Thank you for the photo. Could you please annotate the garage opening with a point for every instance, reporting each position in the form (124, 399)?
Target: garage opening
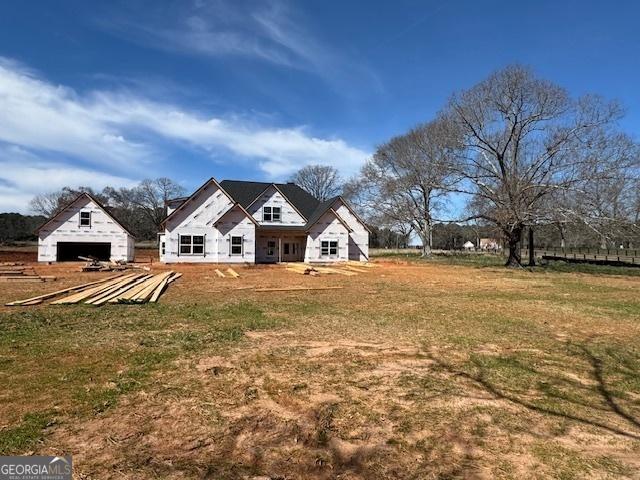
(70, 251)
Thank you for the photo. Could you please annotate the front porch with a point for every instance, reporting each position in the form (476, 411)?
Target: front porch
(276, 246)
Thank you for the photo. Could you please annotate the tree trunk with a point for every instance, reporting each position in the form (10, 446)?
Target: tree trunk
(514, 236)
(425, 236)
(532, 251)
(603, 242)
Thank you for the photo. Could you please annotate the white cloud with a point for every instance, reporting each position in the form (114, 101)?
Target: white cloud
(39, 115)
(269, 31)
(24, 175)
(118, 133)
(278, 151)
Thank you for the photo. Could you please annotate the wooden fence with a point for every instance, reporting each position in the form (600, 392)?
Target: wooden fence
(598, 255)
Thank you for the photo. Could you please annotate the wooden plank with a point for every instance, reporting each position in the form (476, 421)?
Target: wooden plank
(220, 274)
(175, 277)
(233, 273)
(361, 264)
(126, 296)
(294, 289)
(20, 279)
(90, 292)
(335, 270)
(355, 269)
(144, 295)
(129, 298)
(162, 286)
(40, 298)
(111, 289)
(105, 297)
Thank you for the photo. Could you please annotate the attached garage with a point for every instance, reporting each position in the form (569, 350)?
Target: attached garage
(84, 228)
(70, 251)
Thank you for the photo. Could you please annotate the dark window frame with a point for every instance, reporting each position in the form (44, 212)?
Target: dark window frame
(271, 214)
(233, 245)
(329, 248)
(88, 219)
(191, 246)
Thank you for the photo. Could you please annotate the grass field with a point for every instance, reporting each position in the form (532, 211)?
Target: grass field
(415, 369)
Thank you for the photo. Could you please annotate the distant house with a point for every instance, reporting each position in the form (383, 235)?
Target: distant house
(490, 244)
(257, 222)
(468, 245)
(84, 228)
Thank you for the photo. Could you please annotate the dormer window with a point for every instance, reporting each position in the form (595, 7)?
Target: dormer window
(85, 219)
(271, 214)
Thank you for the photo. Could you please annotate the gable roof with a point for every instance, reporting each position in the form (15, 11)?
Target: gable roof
(327, 205)
(246, 193)
(194, 195)
(94, 200)
(320, 210)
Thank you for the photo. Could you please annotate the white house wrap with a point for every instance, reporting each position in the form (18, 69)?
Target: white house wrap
(256, 222)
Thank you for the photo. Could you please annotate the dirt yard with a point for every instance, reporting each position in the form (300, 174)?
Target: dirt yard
(410, 371)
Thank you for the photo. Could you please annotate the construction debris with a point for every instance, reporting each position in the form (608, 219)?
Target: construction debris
(220, 274)
(131, 288)
(95, 265)
(18, 273)
(302, 269)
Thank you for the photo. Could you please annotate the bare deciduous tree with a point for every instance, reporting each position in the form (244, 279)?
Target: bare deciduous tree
(150, 196)
(48, 204)
(321, 181)
(408, 179)
(524, 140)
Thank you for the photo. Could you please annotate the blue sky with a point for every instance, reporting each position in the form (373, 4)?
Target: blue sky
(97, 93)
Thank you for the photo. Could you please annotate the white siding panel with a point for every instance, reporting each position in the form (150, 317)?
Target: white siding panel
(66, 228)
(236, 223)
(327, 228)
(202, 211)
(358, 237)
(273, 198)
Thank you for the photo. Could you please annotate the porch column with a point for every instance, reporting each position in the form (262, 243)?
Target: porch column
(279, 249)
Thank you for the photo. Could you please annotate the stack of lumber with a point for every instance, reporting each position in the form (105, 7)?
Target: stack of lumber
(130, 288)
(20, 273)
(95, 265)
(348, 269)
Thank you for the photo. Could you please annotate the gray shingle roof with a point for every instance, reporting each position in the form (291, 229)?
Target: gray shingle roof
(245, 193)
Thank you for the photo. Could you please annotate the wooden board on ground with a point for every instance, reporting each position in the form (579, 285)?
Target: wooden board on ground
(233, 273)
(40, 298)
(220, 274)
(27, 278)
(294, 289)
(355, 269)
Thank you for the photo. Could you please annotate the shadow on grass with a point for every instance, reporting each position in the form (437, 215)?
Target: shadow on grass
(584, 404)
